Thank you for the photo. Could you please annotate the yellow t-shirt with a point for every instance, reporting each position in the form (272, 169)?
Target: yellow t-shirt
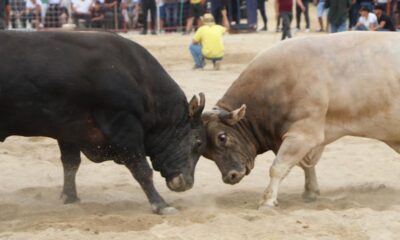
(210, 38)
(195, 1)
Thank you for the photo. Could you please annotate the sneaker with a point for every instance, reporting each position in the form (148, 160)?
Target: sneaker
(297, 29)
(197, 67)
(153, 33)
(264, 28)
(321, 30)
(217, 65)
(307, 30)
(143, 33)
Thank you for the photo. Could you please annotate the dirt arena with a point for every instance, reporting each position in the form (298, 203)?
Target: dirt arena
(359, 180)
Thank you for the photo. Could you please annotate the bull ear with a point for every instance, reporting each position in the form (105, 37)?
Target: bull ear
(233, 117)
(196, 107)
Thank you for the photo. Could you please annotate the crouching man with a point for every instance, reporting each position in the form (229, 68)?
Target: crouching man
(207, 42)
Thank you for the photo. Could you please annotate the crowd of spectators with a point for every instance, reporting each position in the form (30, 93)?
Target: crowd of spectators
(184, 15)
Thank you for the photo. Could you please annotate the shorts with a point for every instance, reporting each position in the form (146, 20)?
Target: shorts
(320, 9)
(196, 10)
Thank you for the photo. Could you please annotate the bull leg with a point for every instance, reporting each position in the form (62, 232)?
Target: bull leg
(311, 189)
(295, 147)
(71, 159)
(142, 172)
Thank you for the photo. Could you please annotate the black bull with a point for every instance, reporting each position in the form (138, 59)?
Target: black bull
(104, 96)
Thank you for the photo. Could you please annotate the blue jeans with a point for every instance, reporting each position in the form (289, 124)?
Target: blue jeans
(368, 5)
(171, 14)
(339, 28)
(195, 50)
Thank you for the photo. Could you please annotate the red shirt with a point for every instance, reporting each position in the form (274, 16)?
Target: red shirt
(285, 5)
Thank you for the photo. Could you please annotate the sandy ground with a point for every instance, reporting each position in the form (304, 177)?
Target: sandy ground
(360, 194)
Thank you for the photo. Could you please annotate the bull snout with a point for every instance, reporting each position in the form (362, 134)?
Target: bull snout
(180, 183)
(233, 177)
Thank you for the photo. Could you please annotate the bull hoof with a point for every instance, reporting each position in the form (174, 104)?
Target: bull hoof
(167, 211)
(69, 199)
(268, 209)
(310, 196)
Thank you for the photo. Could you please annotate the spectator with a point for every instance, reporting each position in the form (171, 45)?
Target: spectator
(149, 5)
(354, 13)
(33, 12)
(320, 13)
(133, 8)
(285, 8)
(303, 8)
(56, 15)
(261, 8)
(81, 10)
(196, 9)
(171, 13)
(17, 13)
(338, 14)
(97, 16)
(207, 42)
(4, 13)
(366, 21)
(113, 18)
(382, 4)
(384, 21)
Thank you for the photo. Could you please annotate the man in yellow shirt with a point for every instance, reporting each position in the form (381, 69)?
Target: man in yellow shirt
(207, 42)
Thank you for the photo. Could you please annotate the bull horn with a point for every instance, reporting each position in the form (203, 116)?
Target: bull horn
(196, 107)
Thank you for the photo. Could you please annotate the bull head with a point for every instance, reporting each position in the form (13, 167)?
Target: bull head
(228, 143)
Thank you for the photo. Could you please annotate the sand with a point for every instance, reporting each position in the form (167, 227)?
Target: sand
(359, 180)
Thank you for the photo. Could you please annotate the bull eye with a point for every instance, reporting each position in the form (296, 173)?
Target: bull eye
(222, 138)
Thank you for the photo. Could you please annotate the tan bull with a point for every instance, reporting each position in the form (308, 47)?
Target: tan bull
(302, 94)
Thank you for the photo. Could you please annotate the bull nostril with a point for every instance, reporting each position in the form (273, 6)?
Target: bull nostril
(233, 176)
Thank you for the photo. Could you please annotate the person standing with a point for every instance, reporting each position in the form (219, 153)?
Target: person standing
(285, 9)
(4, 13)
(320, 13)
(149, 5)
(303, 8)
(171, 13)
(261, 8)
(196, 10)
(338, 14)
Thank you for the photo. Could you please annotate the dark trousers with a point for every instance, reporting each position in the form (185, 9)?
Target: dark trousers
(261, 8)
(286, 21)
(146, 6)
(306, 15)
(77, 16)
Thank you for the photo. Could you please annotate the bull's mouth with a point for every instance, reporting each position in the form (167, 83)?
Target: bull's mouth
(180, 183)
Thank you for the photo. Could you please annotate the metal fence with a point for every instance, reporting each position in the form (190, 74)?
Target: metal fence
(111, 15)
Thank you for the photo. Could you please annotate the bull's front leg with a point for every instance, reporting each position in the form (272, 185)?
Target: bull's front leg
(294, 148)
(142, 172)
(71, 159)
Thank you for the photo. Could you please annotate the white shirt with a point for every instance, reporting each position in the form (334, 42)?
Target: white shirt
(382, 1)
(372, 20)
(30, 5)
(82, 6)
(54, 1)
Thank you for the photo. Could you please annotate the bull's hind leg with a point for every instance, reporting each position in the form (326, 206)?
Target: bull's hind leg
(311, 189)
(142, 172)
(71, 159)
(305, 136)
